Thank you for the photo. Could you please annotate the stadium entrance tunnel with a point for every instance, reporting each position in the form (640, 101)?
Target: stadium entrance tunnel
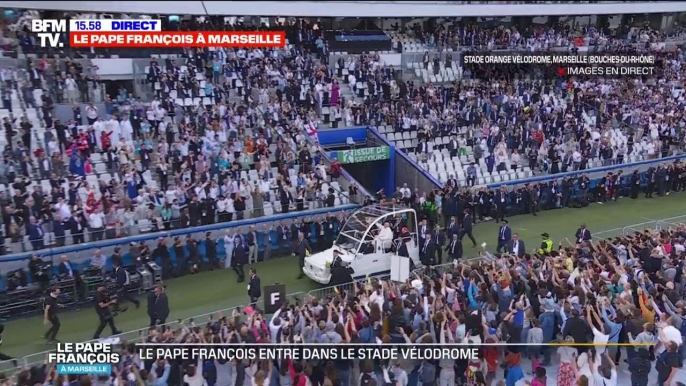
(373, 175)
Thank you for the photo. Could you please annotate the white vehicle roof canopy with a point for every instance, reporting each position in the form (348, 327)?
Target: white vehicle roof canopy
(359, 226)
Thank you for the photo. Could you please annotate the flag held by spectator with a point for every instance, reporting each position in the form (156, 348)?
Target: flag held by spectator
(311, 129)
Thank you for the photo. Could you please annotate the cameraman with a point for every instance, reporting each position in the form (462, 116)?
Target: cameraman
(102, 307)
(123, 280)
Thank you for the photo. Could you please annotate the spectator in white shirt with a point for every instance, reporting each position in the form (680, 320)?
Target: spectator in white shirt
(96, 221)
(71, 89)
(91, 114)
(99, 262)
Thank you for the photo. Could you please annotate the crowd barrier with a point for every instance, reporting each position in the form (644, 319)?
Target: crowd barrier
(671, 222)
(626, 167)
(140, 334)
(80, 254)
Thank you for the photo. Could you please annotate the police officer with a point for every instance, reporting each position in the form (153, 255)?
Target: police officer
(546, 245)
(123, 281)
(102, 307)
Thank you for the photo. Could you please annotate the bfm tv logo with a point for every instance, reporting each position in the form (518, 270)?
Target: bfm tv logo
(49, 31)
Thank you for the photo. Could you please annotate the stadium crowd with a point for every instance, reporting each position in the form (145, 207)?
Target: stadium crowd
(561, 34)
(545, 127)
(617, 290)
(175, 165)
(251, 151)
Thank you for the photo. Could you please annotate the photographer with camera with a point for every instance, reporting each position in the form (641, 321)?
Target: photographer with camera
(123, 280)
(102, 306)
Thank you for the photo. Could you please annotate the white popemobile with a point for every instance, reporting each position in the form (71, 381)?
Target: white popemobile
(365, 243)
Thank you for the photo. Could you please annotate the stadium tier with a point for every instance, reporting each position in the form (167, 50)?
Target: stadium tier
(368, 184)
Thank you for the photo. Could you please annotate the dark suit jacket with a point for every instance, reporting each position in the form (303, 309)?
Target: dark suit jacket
(62, 269)
(158, 308)
(427, 250)
(402, 250)
(452, 229)
(255, 290)
(302, 247)
(251, 238)
(35, 232)
(467, 223)
(120, 276)
(454, 251)
(239, 256)
(441, 239)
(421, 234)
(507, 236)
(586, 236)
(294, 232)
(280, 232)
(210, 249)
(521, 250)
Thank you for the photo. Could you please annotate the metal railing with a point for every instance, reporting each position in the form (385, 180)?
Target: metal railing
(616, 232)
(141, 334)
(671, 222)
(343, 288)
(640, 227)
(146, 222)
(84, 251)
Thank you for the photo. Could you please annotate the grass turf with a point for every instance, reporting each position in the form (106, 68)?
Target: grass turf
(210, 291)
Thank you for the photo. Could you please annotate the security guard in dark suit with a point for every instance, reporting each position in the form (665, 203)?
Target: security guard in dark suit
(454, 248)
(402, 251)
(254, 288)
(238, 260)
(211, 250)
(158, 306)
(302, 248)
(122, 277)
(439, 241)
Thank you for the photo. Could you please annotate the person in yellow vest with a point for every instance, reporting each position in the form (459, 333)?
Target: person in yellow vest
(546, 245)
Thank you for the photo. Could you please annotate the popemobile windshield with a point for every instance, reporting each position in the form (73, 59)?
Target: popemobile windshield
(363, 248)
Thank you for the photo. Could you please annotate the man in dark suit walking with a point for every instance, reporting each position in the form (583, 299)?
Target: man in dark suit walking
(239, 259)
(453, 228)
(211, 251)
(302, 249)
(439, 242)
(516, 246)
(454, 248)
(426, 252)
(158, 306)
(123, 281)
(254, 288)
(504, 236)
(467, 227)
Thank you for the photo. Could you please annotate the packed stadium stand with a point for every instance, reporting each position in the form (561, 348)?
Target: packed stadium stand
(228, 139)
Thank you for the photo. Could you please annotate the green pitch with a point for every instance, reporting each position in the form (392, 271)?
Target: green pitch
(210, 291)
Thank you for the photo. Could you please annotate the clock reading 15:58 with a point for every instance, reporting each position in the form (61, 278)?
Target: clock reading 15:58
(90, 25)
